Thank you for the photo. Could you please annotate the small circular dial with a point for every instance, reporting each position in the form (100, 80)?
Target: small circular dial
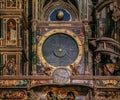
(61, 75)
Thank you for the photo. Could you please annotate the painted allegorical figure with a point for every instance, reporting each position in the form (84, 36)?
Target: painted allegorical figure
(11, 67)
(11, 32)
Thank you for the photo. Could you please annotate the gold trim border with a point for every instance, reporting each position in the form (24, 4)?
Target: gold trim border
(57, 31)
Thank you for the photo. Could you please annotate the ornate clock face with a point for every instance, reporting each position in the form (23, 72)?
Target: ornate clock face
(60, 47)
(61, 75)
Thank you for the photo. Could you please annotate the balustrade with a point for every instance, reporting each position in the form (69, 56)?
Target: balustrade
(108, 44)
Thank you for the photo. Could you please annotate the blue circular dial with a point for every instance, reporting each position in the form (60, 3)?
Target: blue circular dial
(60, 14)
(60, 50)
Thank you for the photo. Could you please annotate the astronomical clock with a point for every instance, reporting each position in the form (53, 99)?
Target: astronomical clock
(64, 49)
(59, 42)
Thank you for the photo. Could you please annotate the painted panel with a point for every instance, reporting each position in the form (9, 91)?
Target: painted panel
(11, 32)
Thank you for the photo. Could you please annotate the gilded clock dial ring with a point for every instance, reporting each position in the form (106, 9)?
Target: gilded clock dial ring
(60, 47)
(64, 51)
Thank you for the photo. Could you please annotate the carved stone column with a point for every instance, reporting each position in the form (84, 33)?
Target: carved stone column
(86, 49)
(96, 64)
(116, 17)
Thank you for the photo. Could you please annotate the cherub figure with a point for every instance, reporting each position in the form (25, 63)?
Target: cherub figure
(75, 69)
(46, 69)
